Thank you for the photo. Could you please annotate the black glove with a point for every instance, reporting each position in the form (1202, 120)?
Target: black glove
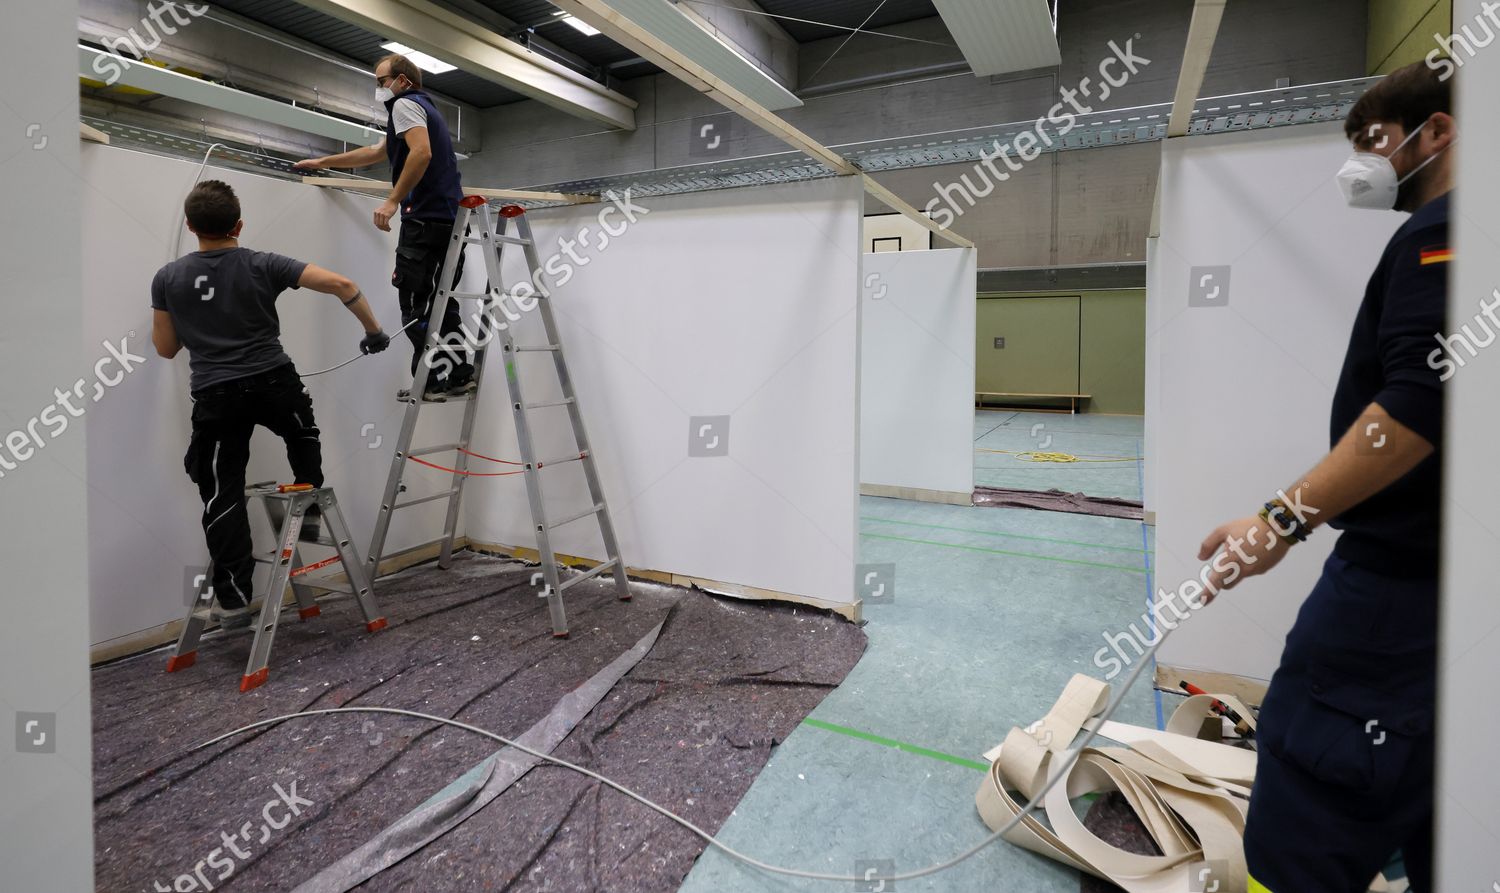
(374, 342)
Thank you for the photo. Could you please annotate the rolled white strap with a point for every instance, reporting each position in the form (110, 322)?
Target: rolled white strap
(1191, 795)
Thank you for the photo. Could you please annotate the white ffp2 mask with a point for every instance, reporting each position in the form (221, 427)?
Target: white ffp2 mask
(1369, 180)
(384, 95)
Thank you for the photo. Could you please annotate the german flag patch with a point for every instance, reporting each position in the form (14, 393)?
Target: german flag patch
(1437, 255)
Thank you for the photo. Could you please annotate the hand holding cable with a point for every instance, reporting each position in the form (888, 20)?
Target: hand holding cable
(374, 342)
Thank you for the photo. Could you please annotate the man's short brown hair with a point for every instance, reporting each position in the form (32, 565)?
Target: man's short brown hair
(402, 66)
(212, 209)
(1407, 96)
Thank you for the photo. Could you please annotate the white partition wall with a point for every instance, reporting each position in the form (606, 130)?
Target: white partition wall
(1257, 275)
(917, 375)
(143, 532)
(713, 345)
(739, 304)
(1468, 788)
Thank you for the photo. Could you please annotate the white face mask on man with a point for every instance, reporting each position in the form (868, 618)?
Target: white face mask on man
(1369, 180)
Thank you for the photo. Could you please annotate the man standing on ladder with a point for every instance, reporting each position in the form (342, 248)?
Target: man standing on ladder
(220, 303)
(426, 188)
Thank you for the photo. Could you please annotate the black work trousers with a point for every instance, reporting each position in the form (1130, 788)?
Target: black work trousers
(224, 417)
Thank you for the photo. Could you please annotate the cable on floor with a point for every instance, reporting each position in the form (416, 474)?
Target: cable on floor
(1070, 757)
(1061, 458)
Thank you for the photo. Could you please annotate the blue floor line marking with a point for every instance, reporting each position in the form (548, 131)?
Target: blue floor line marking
(1150, 578)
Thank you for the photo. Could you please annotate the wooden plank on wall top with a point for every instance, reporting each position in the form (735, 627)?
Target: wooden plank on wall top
(897, 203)
(1204, 30)
(376, 187)
(621, 29)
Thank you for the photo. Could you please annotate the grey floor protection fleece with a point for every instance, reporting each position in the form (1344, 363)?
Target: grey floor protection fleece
(690, 726)
(1058, 501)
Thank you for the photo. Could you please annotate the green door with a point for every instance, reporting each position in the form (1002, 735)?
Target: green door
(1028, 345)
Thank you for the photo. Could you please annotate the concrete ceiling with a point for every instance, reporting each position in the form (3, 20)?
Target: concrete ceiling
(537, 16)
(539, 19)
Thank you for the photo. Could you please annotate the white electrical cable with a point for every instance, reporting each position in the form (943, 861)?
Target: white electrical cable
(177, 250)
(1070, 758)
(361, 356)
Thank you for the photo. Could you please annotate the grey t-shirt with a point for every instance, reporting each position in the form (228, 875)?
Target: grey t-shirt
(406, 114)
(223, 306)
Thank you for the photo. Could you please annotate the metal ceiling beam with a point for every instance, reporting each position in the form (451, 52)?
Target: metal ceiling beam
(650, 45)
(100, 65)
(483, 15)
(707, 63)
(1280, 107)
(672, 59)
(478, 50)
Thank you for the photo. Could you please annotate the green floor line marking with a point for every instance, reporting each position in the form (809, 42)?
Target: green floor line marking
(1019, 536)
(1113, 567)
(898, 745)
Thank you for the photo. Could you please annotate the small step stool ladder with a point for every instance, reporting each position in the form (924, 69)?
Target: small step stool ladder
(475, 212)
(286, 506)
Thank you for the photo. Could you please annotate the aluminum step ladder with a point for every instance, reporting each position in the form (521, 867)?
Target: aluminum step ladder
(478, 224)
(286, 507)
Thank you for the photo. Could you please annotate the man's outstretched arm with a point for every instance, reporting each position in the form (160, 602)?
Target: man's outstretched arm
(365, 156)
(341, 286)
(1351, 473)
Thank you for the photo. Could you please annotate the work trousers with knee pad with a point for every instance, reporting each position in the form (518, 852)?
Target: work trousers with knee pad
(420, 250)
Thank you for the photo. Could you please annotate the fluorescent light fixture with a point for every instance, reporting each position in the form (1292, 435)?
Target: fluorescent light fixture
(420, 59)
(587, 29)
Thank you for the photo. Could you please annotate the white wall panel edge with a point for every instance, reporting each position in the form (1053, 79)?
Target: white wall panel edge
(1468, 790)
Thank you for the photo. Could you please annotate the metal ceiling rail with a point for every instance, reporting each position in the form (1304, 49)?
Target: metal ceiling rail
(1285, 106)
(1279, 107)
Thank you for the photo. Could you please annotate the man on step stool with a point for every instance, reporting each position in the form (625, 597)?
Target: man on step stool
(220, 303)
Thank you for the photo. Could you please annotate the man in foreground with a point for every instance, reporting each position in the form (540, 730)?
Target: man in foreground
(1344, 776)
(220, 303)
(426, 188)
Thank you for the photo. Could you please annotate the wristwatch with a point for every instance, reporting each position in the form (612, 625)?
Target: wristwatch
(1285, 522)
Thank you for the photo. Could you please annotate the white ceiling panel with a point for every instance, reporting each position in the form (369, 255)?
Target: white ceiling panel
(1002, 36)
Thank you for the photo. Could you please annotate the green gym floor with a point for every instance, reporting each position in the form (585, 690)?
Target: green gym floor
(1108, 448)
(993, 611)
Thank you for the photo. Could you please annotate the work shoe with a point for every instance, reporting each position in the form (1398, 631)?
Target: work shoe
(437, 392)
(232, 618)
(461, 382)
